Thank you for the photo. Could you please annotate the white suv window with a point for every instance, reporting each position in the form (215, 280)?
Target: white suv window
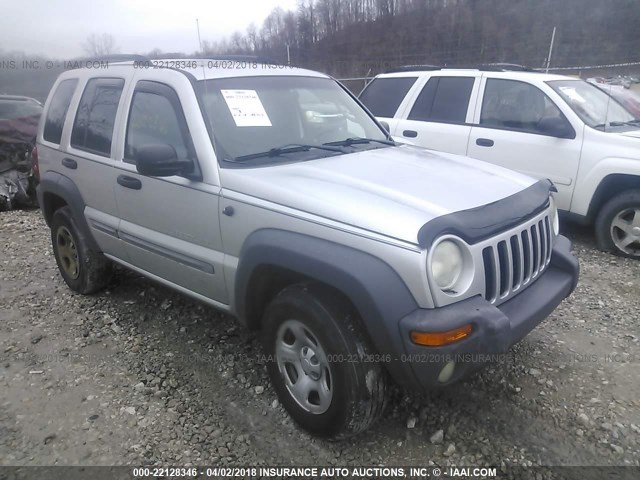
(443, 99)
(516, 105)
(596, 108)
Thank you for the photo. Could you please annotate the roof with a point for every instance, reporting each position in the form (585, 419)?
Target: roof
(220, 67)
(512, 74)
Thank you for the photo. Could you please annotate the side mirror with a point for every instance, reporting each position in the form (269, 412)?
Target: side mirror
(385, 125)
(556, 127)
(160, 160)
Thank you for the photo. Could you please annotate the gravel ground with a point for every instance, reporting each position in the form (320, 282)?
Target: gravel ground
(139, 374)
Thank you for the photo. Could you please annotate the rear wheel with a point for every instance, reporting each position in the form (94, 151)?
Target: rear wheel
(319, 362)
(82, 269)
(618, 225)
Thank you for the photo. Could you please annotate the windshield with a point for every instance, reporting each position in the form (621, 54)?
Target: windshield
(627, 97)
(592, 105)
(255, 117)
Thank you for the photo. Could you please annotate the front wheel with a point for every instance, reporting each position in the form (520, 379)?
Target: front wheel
(618, 225)
(318, 362)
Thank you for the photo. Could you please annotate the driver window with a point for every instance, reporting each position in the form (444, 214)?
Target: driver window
(152, 119)
(516, 106)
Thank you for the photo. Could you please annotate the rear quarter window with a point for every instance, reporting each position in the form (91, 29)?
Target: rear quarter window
(383, 96)
(57, 112)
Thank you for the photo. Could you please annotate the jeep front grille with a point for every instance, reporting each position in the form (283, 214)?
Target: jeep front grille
(515, 259)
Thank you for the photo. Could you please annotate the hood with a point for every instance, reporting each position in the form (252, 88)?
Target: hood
(391, 191)
(631, 133)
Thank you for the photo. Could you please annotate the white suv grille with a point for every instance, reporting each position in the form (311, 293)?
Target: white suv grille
(515, 259)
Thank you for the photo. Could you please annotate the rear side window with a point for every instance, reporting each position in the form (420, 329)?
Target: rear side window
(443, 99)
(153, 120)
(58, 110)
(93, 126)
(383, 96)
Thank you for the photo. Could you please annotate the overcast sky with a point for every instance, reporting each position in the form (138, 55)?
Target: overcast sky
(59, 29)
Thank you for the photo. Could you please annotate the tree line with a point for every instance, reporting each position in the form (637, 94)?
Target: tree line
(356, 37)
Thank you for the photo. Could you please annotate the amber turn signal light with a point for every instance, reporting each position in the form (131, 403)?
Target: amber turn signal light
(438, 339)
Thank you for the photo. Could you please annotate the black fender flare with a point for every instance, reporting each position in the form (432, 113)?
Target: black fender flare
(374, 287)
(65, 188)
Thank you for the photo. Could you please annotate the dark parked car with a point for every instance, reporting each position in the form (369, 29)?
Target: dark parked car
(19, 117)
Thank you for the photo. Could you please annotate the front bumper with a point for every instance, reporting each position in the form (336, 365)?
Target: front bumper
(495, 329)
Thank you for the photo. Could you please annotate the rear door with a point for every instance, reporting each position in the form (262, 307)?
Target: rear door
(84, 153)
(440, 113)
(169, 225)
(509, 133)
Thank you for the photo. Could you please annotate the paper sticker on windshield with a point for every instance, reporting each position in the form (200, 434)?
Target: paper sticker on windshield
(246, 108)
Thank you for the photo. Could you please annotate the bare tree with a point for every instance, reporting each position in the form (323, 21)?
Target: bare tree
(100, 45)
(252, 37)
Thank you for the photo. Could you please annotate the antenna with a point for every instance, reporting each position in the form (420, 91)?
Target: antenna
(204, 76)
(199, 39)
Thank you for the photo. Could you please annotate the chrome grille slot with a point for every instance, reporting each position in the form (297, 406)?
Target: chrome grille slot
(489, 274)
(535, 243)
(514, 259)
(505, 268)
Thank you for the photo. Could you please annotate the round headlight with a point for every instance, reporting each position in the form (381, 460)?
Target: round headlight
(553, 214)
(446, 264)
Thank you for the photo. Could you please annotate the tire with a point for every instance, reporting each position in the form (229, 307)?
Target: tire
(347, 393)
(618, 223)
(82, 269)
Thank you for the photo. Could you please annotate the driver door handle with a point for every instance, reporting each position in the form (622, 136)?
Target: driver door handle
(129, 182)
(484, 142)
(70, 163)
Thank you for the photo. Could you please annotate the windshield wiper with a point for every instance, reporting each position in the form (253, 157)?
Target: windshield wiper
(289, 148)
(634, 123)
(347, 142)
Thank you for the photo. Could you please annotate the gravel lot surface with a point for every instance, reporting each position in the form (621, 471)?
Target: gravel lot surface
(139, 374)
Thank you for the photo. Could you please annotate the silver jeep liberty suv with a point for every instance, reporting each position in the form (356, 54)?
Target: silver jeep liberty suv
(272, 194)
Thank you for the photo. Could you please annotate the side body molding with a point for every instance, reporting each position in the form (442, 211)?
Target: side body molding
(374, 288)
(63, 187)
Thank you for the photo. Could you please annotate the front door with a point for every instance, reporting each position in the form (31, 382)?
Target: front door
(510, 132)
(169, 225)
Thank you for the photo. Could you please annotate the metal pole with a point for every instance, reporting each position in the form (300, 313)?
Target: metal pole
(199, 39)
(288, 56)
(553, 37)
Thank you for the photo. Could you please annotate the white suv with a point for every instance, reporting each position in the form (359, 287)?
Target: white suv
(547, 126)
